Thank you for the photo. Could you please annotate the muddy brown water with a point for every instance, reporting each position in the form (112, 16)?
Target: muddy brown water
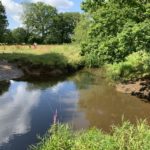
(83, 100)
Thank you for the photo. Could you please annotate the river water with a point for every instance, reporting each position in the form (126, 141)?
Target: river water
(84, 100)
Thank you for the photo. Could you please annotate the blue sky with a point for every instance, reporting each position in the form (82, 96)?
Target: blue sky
(14, 8)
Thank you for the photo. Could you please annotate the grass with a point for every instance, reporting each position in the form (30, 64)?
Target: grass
(124, 137)
(54, 55)
(136, 65)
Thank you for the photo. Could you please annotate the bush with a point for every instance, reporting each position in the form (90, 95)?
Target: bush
(118, 28)
(136, 65)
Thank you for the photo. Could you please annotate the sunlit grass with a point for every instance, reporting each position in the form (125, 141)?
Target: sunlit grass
(70, 51)
(136, 65)
(124, 137)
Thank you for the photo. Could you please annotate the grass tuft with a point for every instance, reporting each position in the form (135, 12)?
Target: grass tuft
(124, 137)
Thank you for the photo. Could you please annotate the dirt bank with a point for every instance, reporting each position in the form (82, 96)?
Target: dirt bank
(38, 70)
(139, 88)
(9, 71)
(14, 70)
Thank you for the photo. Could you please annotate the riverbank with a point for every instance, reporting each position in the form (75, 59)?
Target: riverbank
(124, 137)
(52, 60)
(133, 74)
(139, 88)
(9, 71)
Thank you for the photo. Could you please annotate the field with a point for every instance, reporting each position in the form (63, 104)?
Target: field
(42, 54)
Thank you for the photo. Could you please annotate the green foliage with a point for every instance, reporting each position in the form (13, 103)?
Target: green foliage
(53, 56)
(7, 37)
(91, 5)
(136, 65)
(93, 139)
(58, 138)
(64, 24)
(45, 25)
(3, 21)
(42, 25)
(19, 35)
(129, 137)
(53, 60)
(39, 18)
(81, 29)
(70, 21)
(124, 137)
(118, 29)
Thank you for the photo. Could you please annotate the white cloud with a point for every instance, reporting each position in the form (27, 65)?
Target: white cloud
(15, 113)
(60, 4)
(14, 9)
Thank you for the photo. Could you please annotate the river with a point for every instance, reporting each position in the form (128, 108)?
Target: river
(83, 100)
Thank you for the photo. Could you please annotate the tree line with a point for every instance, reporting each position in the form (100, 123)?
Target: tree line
(116, 29)
(42, 24)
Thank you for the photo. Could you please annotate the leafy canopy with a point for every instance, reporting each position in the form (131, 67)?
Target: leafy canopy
(118, 28)
(39, 18)
(20, 35)
(45, 25)
(81, 29)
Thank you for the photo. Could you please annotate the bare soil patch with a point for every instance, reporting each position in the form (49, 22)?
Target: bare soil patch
(139, 88)
(9, 71)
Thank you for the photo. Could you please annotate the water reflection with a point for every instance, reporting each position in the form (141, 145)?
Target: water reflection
(27, 109)
(83, 100)
(4, 85)
(15, 108)
(104, 106)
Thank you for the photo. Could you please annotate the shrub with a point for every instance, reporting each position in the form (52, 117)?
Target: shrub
(118, 28)
(136, 65)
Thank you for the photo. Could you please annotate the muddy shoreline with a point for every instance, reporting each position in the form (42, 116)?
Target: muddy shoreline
(15, 70)
(139, 88)
(8, 71)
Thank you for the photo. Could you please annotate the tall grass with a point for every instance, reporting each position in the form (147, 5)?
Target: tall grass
(124, 137)
(136, 65)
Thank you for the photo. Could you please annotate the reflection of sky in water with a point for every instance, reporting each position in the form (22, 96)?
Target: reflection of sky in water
(27, 109)
(15, 107)
(17, 104)
(62, 97)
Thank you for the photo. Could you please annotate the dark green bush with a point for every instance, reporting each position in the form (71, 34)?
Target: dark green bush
(118, 29)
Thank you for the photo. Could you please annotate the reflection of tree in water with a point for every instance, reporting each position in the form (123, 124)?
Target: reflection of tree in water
(103, 106)
(42, 82)
(83, 79)
(4, 85)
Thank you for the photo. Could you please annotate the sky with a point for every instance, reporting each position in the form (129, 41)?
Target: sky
(14, 8)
